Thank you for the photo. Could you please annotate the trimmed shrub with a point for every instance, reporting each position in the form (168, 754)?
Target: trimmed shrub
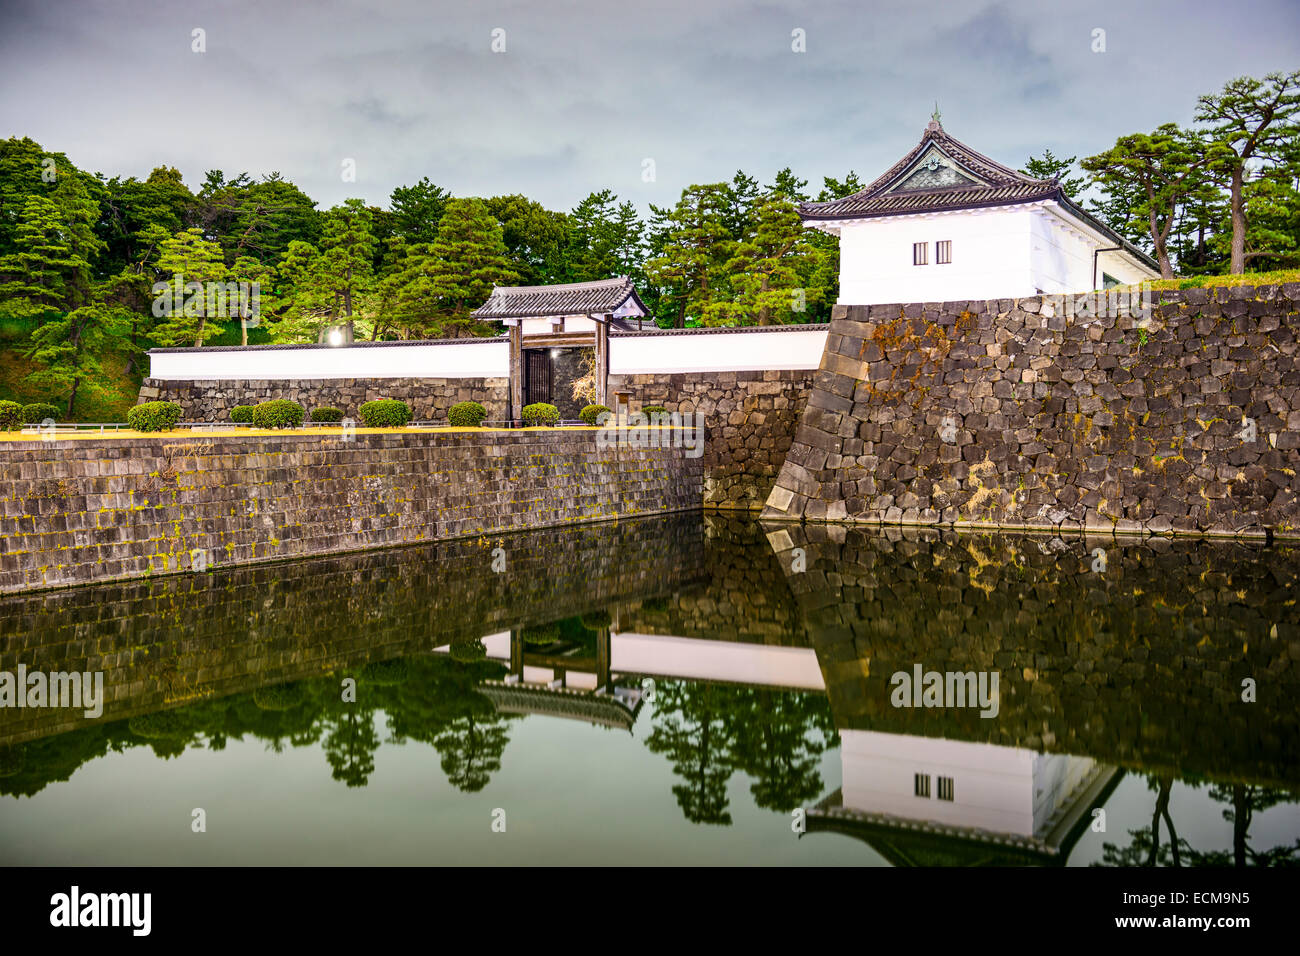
(277, 413)
(649, 410)
(327, 414)
(242, 414)
(542, 634)
(37, 412)
(468, 652)
(385, 413)
(466, 415)
(591, 413)
(540, 413)
(386, 673)
(154, 416)
(280, 696)
(11, 416)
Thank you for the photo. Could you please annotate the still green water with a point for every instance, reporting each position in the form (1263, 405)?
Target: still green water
(682, 690)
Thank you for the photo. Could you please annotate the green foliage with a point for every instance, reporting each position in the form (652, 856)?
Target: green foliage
(385, 413)
(542, 634)
(386, 673)
(67, 350)
(417, 210)
(278, 413)
(1049, 166)
(11, 416)
(242, 414)
(1153, 172)
(591, 413)
(434, 286)
(466, 415)
(541, 413)
(467, 652)
(327, 414)
(154, 416)
(37, 412)
(649, 410)
(281, 696)
(197, 262)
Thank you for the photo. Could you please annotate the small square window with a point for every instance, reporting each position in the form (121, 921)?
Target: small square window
(943, 252)
(945, 788)
(920, 253)
(922, 784)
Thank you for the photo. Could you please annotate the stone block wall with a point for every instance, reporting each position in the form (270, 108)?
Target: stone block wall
(74, 511)
(750, 418)
(1022, 413)
(429, 398)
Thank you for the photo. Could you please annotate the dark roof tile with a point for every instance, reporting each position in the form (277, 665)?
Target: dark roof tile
(573, 298)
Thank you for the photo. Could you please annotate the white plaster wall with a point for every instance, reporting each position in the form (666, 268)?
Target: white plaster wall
(686, 657)
(997, 253)
(993, 786)
(446, 360)
(990, 257)
(735, 351)
(721, 351)
(1062, 253)
(572, 323)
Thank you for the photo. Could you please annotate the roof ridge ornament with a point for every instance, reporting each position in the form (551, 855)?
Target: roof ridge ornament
(934, 126)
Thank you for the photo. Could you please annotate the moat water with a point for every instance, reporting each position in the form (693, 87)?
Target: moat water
(677, 690)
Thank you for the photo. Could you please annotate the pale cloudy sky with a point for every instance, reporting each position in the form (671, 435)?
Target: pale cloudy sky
(586, 91)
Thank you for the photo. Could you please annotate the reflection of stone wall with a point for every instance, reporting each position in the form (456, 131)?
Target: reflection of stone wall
(750, 419)
(741, 594)
(171, 640)
(1137, 664)
(74, 511)
(429, 398)
(1006, 413)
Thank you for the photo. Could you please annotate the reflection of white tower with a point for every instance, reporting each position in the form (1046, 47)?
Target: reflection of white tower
(972, 793)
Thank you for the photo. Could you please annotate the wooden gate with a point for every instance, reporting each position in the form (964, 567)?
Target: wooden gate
(537, 376)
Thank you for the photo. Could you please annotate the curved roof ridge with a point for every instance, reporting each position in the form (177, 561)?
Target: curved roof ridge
(996, 183)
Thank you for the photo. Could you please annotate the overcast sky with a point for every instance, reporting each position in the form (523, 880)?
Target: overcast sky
(586, 92)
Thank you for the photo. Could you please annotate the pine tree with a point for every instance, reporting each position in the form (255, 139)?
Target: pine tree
(44, 274)
(767, 271)
(462, 265)
(68, 350)
(345, 266)
(696, 246)
(1149, 176)
(1049, 166)
(1253, 122)
(417, 210)
(195, 262)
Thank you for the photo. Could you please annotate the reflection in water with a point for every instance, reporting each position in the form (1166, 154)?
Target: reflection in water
(696, 640)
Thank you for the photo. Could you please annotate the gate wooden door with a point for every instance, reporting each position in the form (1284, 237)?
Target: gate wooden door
(537, 376)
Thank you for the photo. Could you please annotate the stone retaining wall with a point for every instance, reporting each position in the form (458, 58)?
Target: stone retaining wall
(750, 419)
(1013, 413)
(79, 510)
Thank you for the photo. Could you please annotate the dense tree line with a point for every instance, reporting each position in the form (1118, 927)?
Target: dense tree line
(81, 254)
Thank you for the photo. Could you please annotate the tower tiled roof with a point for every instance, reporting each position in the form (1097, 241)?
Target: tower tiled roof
(943, 174)
(572, 298)
(939, 173)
